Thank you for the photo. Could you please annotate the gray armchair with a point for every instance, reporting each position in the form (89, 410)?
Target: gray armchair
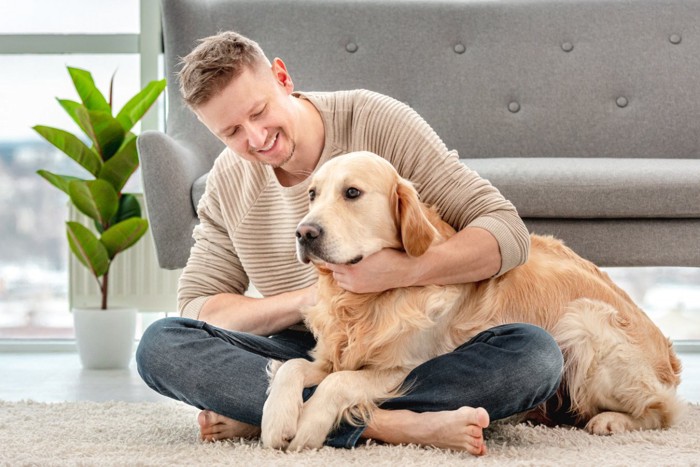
(584, 113)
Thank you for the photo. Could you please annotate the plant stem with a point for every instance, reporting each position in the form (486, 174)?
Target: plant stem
(104, 289)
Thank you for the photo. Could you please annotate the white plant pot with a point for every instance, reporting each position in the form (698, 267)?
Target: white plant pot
(105, 338)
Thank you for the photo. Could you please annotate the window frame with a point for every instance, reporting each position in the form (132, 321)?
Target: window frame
(147, 44)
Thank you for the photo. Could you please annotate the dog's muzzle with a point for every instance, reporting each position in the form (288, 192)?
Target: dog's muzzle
(310, 245)
(308, 233)
(309, 236)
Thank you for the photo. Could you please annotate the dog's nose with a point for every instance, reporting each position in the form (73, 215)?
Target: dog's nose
(307, 233)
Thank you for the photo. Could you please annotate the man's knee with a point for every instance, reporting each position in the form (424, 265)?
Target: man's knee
(538, 356)
(156, 346)
(541, 356)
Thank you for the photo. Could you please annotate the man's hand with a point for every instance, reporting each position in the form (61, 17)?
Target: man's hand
(309, 295)
(261, 316)
(384, 270)
(471, 255)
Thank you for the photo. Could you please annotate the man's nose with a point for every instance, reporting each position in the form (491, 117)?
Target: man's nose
(257, 136)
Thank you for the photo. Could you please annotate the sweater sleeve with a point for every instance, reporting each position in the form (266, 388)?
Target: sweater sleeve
(213, 266)
(460, 195)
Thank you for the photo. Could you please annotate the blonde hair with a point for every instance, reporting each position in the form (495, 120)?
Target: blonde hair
(212, 65)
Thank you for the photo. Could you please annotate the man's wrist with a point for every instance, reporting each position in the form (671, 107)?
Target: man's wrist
(415, 271)
(305, 297)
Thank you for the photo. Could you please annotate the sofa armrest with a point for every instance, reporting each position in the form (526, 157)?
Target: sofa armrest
(168, 170)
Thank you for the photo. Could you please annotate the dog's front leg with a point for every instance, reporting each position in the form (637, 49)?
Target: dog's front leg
(284, 401)
(337, 393)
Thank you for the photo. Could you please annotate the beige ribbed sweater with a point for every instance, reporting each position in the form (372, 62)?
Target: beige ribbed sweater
(248, 220)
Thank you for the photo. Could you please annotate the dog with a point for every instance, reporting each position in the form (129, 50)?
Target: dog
(620, 372)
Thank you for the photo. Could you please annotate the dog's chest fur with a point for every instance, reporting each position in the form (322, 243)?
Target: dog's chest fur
(389, 330)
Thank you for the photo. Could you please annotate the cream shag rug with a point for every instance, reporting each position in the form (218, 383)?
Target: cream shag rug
(143, 434)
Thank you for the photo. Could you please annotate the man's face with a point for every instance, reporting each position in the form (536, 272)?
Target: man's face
(254, 116)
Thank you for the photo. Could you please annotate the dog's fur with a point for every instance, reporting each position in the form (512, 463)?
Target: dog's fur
(620, 372)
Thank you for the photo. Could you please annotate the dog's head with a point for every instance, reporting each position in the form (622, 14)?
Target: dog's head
(359, 205)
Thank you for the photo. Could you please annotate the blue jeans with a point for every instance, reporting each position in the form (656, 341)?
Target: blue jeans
(507, 370)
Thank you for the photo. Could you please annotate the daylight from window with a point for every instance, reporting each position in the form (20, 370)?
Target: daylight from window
(34, 251)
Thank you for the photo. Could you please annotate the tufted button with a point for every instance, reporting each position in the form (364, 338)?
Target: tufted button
(459, 48)
(351, 47)
(622, 102)
(567, 46)
(675, 39)
(514, 107)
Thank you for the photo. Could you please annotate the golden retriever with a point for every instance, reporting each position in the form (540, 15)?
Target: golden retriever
(620, 372)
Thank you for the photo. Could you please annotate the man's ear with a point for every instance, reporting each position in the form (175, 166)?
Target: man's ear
(417, 233)
(279, 70)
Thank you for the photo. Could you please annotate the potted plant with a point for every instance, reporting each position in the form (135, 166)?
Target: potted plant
(110, 160)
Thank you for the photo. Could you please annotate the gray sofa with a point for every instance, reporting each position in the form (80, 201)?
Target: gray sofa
(584, 113)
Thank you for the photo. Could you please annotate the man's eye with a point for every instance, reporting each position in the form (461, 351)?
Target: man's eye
(352, 193)
(262, 111)
(312, 195)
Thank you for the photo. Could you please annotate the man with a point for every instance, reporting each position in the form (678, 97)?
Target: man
(215, 356)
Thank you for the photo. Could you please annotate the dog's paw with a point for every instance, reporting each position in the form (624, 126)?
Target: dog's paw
(279, 422)
(271, 371)
(315, 423)
(609, 423)
(307, 439)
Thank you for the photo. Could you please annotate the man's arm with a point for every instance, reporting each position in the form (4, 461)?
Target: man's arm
(491, 239)
(461, 197)
(471, 255)
(213, 283)
(262, 316)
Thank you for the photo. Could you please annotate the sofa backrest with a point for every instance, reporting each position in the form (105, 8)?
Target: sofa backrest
(509, 78)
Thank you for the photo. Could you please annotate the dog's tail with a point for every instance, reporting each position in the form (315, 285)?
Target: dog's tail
(605, 370)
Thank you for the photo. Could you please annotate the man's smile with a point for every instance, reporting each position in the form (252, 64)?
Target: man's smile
(269, 145)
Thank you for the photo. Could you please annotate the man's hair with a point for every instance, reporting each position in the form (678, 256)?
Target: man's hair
(211, 66)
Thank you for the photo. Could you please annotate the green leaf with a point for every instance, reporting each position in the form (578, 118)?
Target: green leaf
(122, 165)
(109, 134)
(111, 88)
(91, 96)
(128, 207)
(139, 104)
(94, 198)
(79, 114)
(73, 147)
(87, 248)
(105, 132)
(59, 181)
(123, 235)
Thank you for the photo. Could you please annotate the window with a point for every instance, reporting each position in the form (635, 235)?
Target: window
(69, 17)
(669, 296)
(38, 39)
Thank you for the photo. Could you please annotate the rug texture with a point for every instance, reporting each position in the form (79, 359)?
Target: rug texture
(159, 434)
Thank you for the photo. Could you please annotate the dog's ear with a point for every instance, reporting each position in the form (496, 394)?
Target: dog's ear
(417, 233)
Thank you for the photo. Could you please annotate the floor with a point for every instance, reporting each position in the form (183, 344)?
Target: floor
(58, 377)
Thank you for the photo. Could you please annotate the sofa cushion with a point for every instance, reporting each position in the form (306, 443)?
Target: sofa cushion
(592, 188)
(587, 188)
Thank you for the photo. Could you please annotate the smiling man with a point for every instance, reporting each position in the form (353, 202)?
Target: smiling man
(214, 356)
(264, 125)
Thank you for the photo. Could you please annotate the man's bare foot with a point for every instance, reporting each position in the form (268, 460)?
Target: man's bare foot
(215, 427)
(461, 429)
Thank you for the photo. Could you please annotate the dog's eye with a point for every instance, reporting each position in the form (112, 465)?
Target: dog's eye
(352, 193)
(312, 194)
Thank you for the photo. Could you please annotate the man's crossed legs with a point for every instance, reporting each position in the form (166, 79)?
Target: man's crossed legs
(500, 372)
